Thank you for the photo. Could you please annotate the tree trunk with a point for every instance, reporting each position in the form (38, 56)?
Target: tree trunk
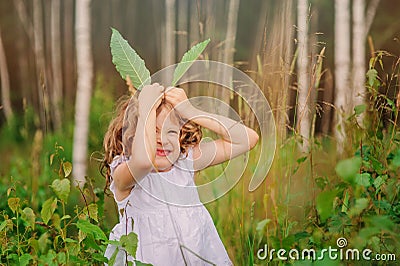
(56, 94)
(358, 54)
(228, 54)
(342, 67)
(369, 17)
(69, 55)
(182, 31)
(38, 34)
(303, 101)
(169, 47)
(5, 83)
(84, 62)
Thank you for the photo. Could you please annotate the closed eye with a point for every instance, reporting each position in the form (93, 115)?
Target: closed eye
(172, 132)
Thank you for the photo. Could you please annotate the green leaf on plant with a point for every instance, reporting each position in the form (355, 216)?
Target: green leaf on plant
(61, 188)
(139, 263)
(67, 167)
(13, 203)
(324, 204)
(88, 228)
(29, 217)
(378, 182)
(48, 208)
(261, 228)
(187, 60)
(24, 259)
(92, 211)
(371, 75)
(129, 243)
(359, 206)
(359, 109)
(347, 169)
(127, 61)
(363, 179)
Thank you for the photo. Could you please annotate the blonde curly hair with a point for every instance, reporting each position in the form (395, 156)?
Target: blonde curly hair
(120, 133)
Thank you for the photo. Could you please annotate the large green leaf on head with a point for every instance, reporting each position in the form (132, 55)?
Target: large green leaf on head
(127, 61)
(187, 60)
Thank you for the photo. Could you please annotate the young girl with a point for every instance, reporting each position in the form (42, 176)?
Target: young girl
(150, 160)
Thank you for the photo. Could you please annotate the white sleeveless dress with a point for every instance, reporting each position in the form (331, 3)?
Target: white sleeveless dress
(181, 232)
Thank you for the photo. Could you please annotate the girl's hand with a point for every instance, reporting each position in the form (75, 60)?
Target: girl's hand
(179, 100)
(150, 96)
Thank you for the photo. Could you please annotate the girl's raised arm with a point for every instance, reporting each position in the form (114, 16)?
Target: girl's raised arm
(235, 138)
(127, 174)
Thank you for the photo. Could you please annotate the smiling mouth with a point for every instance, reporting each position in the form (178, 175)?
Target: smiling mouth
(162, 153)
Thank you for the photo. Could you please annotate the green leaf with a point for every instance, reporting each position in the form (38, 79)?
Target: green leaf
(24, 259)
(378, 182)
(61, 188)
(88, 228)
(29, 217)
(67, 167)
(48, 208)
(13, 203)
(261, 227)
(129, 243)
(3, 225)
(127, 61)
(371, 75)
(360, 205)
(111, 261)
(92, 211)
(347, 169)
(325, 204)
(363, 179)
(139, 263)
(187, 60)
(359, 109)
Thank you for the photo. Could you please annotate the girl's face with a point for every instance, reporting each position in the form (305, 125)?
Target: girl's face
(167, 136)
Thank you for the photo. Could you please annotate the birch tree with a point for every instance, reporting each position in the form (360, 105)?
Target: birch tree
(84, 62)
(56, 92)
(303, 100)
(342, 68)
(362, 21)
(5, 83)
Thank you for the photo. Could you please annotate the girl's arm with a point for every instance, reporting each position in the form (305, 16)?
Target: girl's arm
(126, 175)
(235, 138)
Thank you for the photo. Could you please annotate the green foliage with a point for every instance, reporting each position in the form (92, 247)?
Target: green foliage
(52, 237)
(187, 60)
(128, 62)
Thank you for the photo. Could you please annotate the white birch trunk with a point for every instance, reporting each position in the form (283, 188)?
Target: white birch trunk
(56, 65)
(342, 67)
(84, 62)
(5, 83)
(303, 86)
